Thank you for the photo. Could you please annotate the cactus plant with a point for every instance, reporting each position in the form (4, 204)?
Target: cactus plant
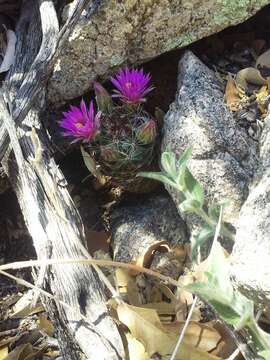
(120, 138)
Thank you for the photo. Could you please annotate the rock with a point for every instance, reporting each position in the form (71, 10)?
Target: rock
(133, 32)
(251, 253)
(224, 157)
(136, 228)
(250, 260)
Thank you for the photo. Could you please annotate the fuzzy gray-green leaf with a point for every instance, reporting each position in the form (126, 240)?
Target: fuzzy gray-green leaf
(206, 233)
(159, 176)
(168, 163)
(192, 186)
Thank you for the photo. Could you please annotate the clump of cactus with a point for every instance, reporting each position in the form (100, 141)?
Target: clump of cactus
(119, 138)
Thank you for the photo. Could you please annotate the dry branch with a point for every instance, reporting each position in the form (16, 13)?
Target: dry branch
(49, 212)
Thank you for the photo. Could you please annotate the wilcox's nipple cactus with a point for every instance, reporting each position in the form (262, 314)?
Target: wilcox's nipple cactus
(120, 138)
(80, 123)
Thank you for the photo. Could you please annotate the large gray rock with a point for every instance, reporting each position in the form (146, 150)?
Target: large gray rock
(135, 31)
(224, 157)
(137, 227)
(250, 261)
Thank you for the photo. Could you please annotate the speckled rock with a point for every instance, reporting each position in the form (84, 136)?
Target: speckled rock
(250, 261)
(133, 31)
(136, 228)
(224, 157)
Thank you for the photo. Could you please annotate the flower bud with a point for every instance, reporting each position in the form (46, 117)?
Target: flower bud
(103, 98)
(147, 132)
(108, 154)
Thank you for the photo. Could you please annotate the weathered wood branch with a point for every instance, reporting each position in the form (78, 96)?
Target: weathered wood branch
(49, 212)
(27, 78)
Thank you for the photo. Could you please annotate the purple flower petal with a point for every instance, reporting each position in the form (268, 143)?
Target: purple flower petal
(132, 85)
(80, 123)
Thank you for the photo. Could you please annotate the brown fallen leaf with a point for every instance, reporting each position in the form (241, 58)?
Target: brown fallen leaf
(45, 324)
(52, 353)
(145, 326)
(145, 260)
(23, 352)
(24, 307)
(127, 286)
(249, 76)
(3, 352)
(232, 97)
(6, 341)
(263, 60)
(185, 300)
(136, 349)
(262, 98)
(226, 346)
(203, 336)
(258, 45)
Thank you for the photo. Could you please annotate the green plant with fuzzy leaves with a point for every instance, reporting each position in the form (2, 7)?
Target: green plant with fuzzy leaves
(214, 285)
(176, 174)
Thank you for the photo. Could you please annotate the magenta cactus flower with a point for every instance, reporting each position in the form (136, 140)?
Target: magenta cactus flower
(132, 85)
(80, 123)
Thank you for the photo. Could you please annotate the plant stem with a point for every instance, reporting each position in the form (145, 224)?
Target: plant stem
(258, 336)
(204, 216)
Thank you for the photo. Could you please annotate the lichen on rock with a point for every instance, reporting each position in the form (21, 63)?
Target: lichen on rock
(133, 32)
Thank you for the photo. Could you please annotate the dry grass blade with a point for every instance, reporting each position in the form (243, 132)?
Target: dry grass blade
(104, 263)
(181, 337)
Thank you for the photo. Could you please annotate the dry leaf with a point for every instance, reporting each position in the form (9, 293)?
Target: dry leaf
(7, 341)
(264, 59)
(24, 306)
(258, 45)
(203, 336)
(227, 345)
(185, 300)
(127, 286)
(262, 97)
(136, 349)
(23, 352)
(52, 353)
(145, 260)
(232, 97)
(163, 300)
(3, 352)
(146, 327)
(162, 308)
(249, 76)
(45, 324)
